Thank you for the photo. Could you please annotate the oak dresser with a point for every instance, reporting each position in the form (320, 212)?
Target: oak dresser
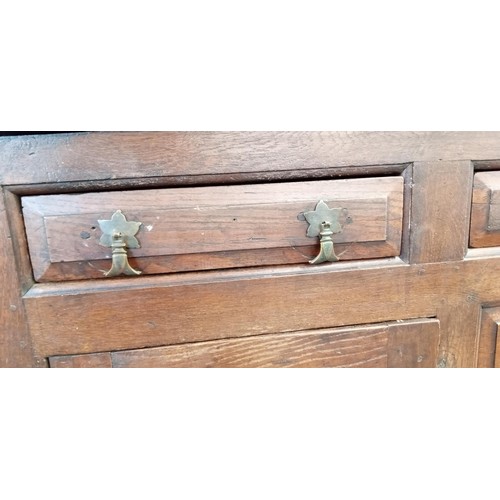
(250, 249)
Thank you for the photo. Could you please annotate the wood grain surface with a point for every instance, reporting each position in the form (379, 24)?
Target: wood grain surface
(15, 342)
(437, 275)
(120, 315)
(212, 227)
(440, 212)
(400, 344)
(488, 354)
(485, 215)
(98, 360)
(111, 155)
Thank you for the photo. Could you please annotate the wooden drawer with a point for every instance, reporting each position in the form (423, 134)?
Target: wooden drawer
(214, 227)
(485, 214)
(404, 344)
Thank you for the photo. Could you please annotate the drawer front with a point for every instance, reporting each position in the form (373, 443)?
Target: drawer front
(412, 343)
(216, 227)
(485, 214)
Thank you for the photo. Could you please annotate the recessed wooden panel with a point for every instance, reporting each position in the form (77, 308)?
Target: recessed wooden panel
(485, 215)
(489, 351)
(405, 344)
(98, 360)
(212, 227)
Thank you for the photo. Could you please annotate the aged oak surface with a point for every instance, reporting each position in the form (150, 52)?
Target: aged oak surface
(227, 224)
(15, 342)
(485, 215)
(110, 155)
(178, 313)
(488, 352)
(440, 207)
(399, 344)
(440, 277)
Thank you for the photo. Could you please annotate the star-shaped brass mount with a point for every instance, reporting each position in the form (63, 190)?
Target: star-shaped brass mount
(119, 224)
(119, 234)
(324, 222)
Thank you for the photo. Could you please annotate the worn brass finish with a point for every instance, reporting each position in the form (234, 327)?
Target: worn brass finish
(324, 222)
(119, 234)
(326, 252)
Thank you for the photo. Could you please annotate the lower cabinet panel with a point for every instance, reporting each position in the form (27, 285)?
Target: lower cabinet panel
(488, 352)
(403, 344)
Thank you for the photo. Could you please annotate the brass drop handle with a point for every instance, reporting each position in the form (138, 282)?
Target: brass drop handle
(326, 251)
(324, 222)
(119, 234)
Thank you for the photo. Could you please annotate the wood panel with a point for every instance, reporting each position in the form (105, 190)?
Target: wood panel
(15, 342)
(413, 344)
(161, 311)
(407, 344)
(488, 354)
(440, 211)
(218, 224)
(485, 214)
(100, 315)
(459, 314)
(220, 307)
(109, 155)
(98, 360)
